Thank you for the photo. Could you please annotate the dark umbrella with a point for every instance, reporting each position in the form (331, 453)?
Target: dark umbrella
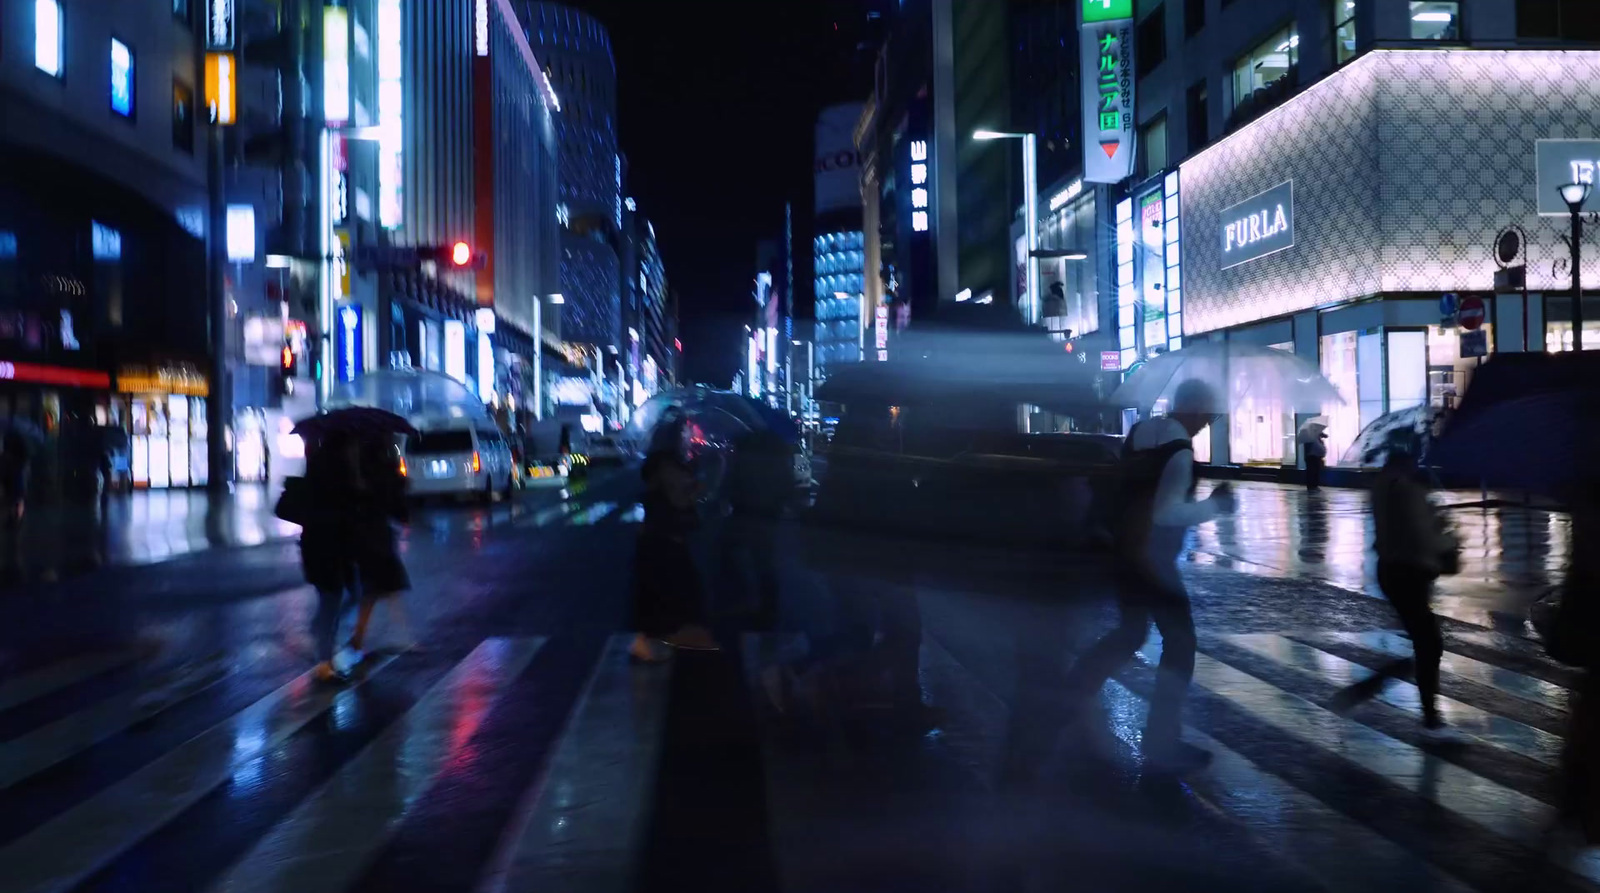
(1527, 421)
(362, 422)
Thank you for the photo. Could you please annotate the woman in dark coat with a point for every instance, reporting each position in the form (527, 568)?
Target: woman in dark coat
(382, 574)
(668, 600)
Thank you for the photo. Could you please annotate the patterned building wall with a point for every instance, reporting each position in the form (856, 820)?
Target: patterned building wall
(1405, 166)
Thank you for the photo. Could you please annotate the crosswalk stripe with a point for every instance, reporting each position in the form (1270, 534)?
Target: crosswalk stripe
(44, 747)
(1527, 688)
(1497, 730)
(581, 825)
(546, 516)
(58, 855)
(1505, 812)
(329, 838)
(1298, 826)
(594, 514)
(59, 675)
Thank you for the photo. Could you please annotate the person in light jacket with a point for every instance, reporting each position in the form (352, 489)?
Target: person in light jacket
(1414, 548)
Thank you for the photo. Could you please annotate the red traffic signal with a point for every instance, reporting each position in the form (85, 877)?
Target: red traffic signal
(288, 358)
(461, 254)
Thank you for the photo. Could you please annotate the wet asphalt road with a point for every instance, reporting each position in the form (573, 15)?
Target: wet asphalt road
(157, 731)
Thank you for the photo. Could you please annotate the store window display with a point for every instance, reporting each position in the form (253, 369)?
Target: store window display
(1261, 432)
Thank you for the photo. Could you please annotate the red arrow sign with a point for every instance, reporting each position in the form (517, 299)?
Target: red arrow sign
(1111, 148)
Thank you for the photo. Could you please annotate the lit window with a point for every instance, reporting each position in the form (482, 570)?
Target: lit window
(1344, 30)
(1435, 20)
(121, 78)
(47, 37)
(1268, 63)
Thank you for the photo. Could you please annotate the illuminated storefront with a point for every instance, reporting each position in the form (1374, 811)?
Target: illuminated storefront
(1340, 228)
(166, 412)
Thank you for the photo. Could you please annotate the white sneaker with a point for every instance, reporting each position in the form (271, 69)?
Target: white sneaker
(348, 659)
(1445, 735)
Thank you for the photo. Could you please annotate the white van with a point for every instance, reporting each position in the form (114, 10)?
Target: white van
(456, 457)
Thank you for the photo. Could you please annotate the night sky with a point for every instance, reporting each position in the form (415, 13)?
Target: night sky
(717, 102)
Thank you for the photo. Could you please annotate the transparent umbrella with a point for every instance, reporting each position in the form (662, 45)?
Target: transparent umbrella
(1236, 373)
(411, 394)
(1410, 430)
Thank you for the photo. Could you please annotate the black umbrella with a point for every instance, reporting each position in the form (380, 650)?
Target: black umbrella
(361, 422)
(1527, 421)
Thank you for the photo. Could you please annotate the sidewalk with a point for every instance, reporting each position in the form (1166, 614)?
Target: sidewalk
(144, 527)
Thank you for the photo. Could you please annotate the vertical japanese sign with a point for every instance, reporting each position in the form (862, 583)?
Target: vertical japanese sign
(919, 186)
(1106, 51)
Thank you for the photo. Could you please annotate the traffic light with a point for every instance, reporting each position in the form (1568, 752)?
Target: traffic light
(457, 256)
(288, 365)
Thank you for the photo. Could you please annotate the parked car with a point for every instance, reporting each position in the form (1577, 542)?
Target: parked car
(457, 457)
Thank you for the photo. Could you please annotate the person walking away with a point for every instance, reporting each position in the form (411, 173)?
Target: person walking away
(324, 504)
(759, 485)
(1316, 460)
(381, 573)
(1414, 548)
(668, 605)
(14, 477)
(1156, 509)
(1573, 638)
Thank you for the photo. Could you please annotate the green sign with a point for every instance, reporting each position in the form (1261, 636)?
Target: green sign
(1106, 10)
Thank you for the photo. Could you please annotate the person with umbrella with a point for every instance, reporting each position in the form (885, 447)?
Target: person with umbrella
(1313, 439)
(344, 505)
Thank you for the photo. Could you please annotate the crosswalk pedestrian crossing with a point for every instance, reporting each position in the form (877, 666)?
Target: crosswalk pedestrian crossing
(1355, 802)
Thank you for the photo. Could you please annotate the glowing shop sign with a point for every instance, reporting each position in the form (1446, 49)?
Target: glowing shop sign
(1258, 226)
(919, 188)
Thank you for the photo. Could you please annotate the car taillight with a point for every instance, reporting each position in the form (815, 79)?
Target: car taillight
(404, 471)
(477, 466)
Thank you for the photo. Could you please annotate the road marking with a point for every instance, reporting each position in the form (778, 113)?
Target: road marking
(64, 851)
(1527, 688)
(594, 514)
(323, 845)
(1294, 825)
(59, 675)
(1509, 734)
(580, 826)
(54, 743)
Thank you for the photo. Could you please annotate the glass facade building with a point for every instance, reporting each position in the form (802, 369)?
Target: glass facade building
(840, 277)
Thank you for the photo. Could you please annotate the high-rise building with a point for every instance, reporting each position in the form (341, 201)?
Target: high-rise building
(576, 51)
(838, 248)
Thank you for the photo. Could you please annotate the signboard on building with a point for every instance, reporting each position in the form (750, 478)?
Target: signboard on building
(1558, 163)
(919, 185)
(1475, 343)
(221, 89)
(1110, 360)
(837, 172)
(1260, 225)
(1106, 65)
(220, 24)
(881, 331)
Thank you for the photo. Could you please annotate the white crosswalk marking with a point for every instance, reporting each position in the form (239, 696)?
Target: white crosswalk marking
(324, 844)
(1506, 733)
(580, 827)
(44, 747)
(64, 851)
(594, 514)
(35, 684)
(1538, 691)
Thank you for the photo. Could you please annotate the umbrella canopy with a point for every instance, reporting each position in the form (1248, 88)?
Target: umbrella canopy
(1527, 421)
(363, 422)
(411, 394)
(1236, 373)
(720, 414)
(1410, 430)
(1313, 430)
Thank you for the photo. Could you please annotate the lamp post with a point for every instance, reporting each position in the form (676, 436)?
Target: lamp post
(1575, 194)
(1030, 209)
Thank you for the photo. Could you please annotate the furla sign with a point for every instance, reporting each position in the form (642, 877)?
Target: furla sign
(1258, 226)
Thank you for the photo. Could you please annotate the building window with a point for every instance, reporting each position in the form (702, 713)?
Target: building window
(48, 46)
(1270, 62)
(182, 116)
(1344, 31)
(1197, 108)
(1435, 20)
(1194, 16)
(1557, 20)
(1150, 41)
(121, 79)
(1153, 146)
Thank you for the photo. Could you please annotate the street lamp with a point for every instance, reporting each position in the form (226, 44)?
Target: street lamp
(1575, 194)
(1030, 208)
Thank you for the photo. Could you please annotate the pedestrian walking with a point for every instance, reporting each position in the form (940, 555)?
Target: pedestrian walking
(1156, 507)
(1572, 636)
(1316, 448)
(14, 466)
(324, 504)
(1415, 547)
(382, 574)
(759, 483)
(668, 599)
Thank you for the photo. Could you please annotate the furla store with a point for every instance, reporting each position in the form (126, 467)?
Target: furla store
(1347, 225)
